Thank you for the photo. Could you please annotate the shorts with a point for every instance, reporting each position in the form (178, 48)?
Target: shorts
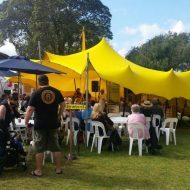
(46, 140)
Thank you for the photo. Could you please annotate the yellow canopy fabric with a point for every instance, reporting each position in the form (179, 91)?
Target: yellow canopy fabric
(109, 65)
(63, 83)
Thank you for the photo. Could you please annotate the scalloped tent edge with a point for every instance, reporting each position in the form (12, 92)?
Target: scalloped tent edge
(110, 66)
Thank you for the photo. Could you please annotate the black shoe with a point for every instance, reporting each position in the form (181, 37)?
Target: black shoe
(153, 151)
(109, 148)
(158, 146)
(116, 148)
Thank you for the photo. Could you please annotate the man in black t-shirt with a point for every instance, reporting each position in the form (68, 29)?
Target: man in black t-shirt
(47, 103)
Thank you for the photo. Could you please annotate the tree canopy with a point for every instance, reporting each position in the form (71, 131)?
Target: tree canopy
(164, 52)
(56, 24)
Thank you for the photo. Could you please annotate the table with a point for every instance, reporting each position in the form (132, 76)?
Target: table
(121, 121)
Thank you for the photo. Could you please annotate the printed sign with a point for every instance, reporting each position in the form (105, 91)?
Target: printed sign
(75, 107)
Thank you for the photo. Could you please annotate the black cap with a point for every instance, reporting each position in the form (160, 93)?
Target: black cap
(43, 80)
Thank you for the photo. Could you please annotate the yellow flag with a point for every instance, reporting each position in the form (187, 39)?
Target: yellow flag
(83, 39)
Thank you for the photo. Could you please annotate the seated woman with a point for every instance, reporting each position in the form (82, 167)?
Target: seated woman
(137, 117)
(99, 115)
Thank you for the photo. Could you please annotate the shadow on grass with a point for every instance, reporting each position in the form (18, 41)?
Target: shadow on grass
(76, 175)
(110, 170)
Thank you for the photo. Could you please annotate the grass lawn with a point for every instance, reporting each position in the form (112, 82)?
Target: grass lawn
(112, 170)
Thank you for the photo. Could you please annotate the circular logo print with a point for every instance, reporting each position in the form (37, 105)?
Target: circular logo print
(48, 96)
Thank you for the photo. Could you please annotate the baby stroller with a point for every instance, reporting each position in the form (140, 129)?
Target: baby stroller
(12, 153)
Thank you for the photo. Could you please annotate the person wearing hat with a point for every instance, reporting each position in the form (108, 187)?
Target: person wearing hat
(146, 109)
(157, 109)
(47, 103)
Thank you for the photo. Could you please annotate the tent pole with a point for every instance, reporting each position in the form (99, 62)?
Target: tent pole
(40, 57)
(86, 115)
(99, 88)
(39, 52)
(1, 87)
(100, 85)
(107, 96)
(75, 84)
(176, 107)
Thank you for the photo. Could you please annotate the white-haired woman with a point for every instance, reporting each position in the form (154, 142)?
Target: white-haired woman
(137, 117)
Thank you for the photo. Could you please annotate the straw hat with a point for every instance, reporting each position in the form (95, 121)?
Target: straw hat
(146, 104)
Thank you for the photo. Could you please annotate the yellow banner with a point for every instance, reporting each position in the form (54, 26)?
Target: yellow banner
(75, 107)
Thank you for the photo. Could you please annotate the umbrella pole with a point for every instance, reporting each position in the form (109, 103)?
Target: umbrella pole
(1, 87)
(36, 82)
(18, 84)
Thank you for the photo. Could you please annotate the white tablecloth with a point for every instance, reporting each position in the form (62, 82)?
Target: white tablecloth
(119, 120)
(119, 124)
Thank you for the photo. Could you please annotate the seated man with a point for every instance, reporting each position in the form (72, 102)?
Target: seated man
(146, 109)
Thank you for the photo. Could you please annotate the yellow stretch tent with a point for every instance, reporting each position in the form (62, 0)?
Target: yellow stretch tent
(110, 66)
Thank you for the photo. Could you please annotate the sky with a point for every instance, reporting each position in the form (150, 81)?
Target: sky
(134, 22)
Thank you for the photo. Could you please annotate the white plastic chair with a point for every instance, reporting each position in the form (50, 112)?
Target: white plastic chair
(91, 131)
(48, 153)
(97, 125)
(119, 128)
(156, 119)
(135, 136)
(148, 120)
(74, 121)
(20, 128)
(32, 144)
(168, 127)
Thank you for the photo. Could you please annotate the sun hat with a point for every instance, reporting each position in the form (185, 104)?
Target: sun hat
(146, 104)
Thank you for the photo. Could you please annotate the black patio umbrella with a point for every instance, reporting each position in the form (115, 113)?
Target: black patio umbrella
(7, 74)
(23, 64)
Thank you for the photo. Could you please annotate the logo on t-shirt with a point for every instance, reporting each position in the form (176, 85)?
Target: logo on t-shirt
(48, 96)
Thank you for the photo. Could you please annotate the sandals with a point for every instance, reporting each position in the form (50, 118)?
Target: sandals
(34, 173)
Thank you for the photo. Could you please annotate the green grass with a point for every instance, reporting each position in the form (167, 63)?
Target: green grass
(112, 170)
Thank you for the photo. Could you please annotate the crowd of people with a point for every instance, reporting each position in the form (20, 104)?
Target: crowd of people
(47, 104)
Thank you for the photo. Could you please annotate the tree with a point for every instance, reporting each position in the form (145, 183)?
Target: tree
(56, 24)
(164, 52)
